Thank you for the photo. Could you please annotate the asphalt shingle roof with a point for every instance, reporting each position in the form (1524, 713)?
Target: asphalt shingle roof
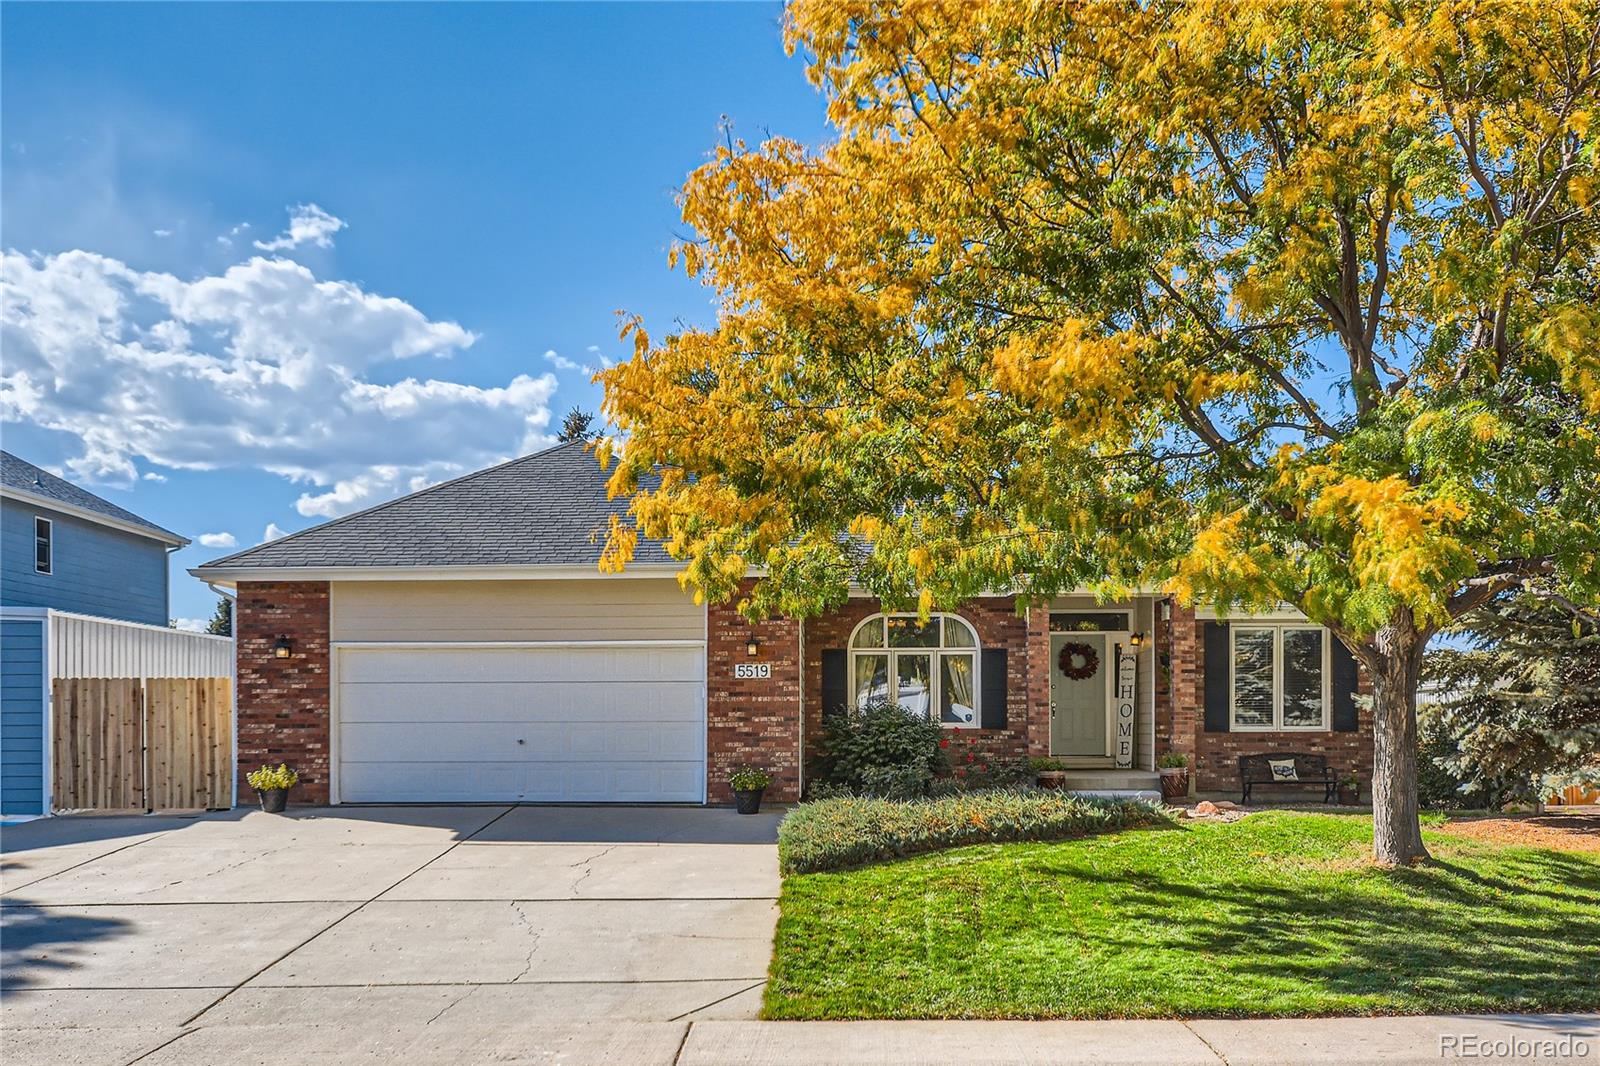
(17, 473)
(546, 509)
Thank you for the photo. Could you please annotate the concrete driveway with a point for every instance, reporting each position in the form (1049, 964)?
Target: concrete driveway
(170, 939)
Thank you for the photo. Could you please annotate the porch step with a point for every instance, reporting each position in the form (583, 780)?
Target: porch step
(1136, 795)
(1115, 780)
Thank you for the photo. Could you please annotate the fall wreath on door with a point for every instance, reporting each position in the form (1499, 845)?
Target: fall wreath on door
(1078, 661)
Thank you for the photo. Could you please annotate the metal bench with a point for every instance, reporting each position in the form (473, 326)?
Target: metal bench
(1310, 771)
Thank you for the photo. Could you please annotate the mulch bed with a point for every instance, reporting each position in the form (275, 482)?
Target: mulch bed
(1559, 832)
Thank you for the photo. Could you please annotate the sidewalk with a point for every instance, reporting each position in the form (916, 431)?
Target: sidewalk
(1556, 1040)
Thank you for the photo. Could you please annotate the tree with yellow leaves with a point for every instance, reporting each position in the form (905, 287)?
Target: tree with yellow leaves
(1262, 302)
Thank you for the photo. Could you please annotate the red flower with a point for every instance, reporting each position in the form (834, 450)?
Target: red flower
(945, 743)
(961, 771)
(984, 767)
(970, 756)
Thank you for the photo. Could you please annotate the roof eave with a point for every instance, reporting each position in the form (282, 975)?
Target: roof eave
(234, 575)
(50, 503)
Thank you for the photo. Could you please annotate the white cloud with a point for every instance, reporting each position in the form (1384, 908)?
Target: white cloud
(163, 233)
(272, 532)
(308, 224)
(605, 360)
(191, 625)
(151, 475)
(561, 362)
(262, 366)
(218, 540)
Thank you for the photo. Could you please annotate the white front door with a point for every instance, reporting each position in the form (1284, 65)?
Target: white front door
(443, 724)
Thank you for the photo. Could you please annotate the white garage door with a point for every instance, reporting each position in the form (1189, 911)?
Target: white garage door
(539, 724)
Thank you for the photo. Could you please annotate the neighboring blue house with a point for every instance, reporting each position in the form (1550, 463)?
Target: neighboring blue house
(62, 549)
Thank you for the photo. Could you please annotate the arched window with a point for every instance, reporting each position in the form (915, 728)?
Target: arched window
(927, 667)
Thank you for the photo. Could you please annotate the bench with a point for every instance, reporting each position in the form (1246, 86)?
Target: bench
(1310, 771)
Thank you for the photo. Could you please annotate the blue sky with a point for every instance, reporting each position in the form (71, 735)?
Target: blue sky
(324, 250)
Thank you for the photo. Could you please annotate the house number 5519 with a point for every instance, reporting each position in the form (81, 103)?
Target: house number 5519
(752, 670)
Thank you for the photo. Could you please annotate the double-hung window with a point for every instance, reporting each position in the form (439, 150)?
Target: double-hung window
(926, 667)
(1280, 675)
(42, 560)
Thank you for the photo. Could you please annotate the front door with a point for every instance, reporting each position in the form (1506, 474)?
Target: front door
(1082, 665)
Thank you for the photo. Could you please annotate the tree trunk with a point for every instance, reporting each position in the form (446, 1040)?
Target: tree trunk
(1394, 661)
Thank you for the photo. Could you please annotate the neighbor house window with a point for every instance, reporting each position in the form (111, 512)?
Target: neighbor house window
(927, 667)
(41, 545)
(1280, 677)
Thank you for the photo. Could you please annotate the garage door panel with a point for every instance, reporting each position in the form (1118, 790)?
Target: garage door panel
(594, 724)
(478, 701)
(580, 665)
(615, 782)
(432, 782)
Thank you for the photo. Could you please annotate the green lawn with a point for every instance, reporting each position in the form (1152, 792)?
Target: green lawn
(1277, 914)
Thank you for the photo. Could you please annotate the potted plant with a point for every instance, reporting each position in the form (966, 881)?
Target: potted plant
(1174, 767)
(748, 784)
(273, 786)
(1049, 773)
(1349, 789)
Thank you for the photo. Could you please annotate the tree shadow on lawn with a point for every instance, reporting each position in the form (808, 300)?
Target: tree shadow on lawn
(1414, 939)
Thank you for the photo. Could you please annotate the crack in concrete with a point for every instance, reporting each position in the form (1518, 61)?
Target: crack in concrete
(587, 868)
(453, 1003)
(1209, 1046)
(522, 920)
(216, 871)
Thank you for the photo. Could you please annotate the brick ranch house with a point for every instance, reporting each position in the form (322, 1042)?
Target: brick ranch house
(459, 644)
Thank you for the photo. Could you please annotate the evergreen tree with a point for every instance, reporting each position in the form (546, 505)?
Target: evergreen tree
(577, 425)
(221, 623)
(1518, 713)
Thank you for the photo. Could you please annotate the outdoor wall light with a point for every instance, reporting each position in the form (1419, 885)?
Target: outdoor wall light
(752, 647)
(1136, 640)
(282, 648)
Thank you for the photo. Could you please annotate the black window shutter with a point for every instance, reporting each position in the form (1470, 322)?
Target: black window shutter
(1345, 685)
(994, 689)
(835, 682)
(1218, 675)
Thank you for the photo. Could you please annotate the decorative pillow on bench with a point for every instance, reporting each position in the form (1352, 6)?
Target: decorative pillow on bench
(1283, 770)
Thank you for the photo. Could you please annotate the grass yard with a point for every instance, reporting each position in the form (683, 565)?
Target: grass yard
(1277, 914)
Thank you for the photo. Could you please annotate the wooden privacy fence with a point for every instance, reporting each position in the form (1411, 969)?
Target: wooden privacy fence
(151, 744)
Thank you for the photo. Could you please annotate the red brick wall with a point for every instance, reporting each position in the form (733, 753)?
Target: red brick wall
(1181, 727)
(283, 703)
(752, 721)
(998, 625)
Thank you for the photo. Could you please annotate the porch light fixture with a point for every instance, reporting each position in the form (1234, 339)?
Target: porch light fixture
(752, 647)
(282, 648)
(1135, 640)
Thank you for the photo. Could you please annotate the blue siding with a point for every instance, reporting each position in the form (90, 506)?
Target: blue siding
(95, 569)
(21, 717)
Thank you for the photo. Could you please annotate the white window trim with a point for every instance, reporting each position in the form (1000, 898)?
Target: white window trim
(934, 700)
(49, 538)
(1278, 724)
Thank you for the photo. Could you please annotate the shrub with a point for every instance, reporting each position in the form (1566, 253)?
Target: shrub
(971, 763)
(267, 779)
(848, 831)
(749, 779)
(880, 749)
(1173, 760)
(1046, 766)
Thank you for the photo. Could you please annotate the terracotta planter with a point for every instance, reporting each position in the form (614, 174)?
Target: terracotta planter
(747, 800)
(1053, 779)
(1349, 796)
(1174, 782)
(273, 800)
